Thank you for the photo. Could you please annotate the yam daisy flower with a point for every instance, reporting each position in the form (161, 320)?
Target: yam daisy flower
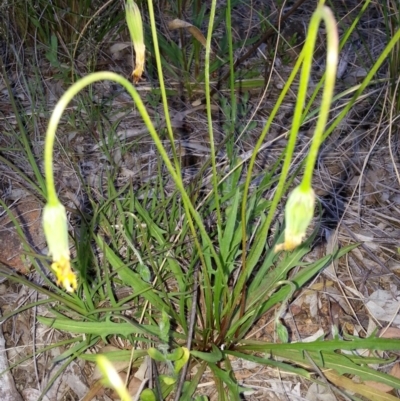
(299, 212)
(55, 227)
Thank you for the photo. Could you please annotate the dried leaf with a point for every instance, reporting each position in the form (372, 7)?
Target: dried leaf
(31, 394)
(194, 31)
(379, 386)
(7, 385)
(117, 47)
(318, 392)
(370, 393)
(118, 365)
(384, 305)
(133, 386)
(390, 332)
(395, 372)
(142, 371)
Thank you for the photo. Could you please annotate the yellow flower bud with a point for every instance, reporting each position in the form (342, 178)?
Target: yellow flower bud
(55, 227)
(299, 212)
(135, 26)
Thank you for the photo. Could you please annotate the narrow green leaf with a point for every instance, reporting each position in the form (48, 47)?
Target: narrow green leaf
(339, 363)
(227, 235)
(102, 329)
(116, 356)
(164, 326)
(155, 231)
(77, 349)
(282, 332)
(299, 280)
(131, 278)
(168, 380)
(372, 343)
(228, 379)
(345, 250)
(270, 362)
(190, 387)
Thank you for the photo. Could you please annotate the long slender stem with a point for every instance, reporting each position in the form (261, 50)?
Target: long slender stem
(343, 41)
(162, 85)
(51, 132)
(52, 198)
(190, 211)
(305, 58)
(331, 67)
(208, 103)
(248, 264)
(231, 65)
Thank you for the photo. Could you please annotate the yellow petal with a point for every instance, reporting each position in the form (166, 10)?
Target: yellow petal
(65, 276)
(291, 242)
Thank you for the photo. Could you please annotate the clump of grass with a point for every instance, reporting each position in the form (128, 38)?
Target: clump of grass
(197, 289)
(390, 11)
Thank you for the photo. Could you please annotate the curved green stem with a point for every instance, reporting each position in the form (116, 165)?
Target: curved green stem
(249, 263)
(305, 58)
(154, 34)
(55, 119)
(208, 103)
(52, 198)
(331, 66)
(343, 41)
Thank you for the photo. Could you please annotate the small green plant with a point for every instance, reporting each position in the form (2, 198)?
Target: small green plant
(198, 289)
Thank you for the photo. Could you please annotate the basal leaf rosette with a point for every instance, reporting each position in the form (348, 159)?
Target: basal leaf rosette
(55, 227)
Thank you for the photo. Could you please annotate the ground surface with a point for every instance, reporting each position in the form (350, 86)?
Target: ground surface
(357, 183)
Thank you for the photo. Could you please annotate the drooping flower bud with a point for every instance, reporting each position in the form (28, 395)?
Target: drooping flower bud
(299, 212)
(55, 227)
(135, 26)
